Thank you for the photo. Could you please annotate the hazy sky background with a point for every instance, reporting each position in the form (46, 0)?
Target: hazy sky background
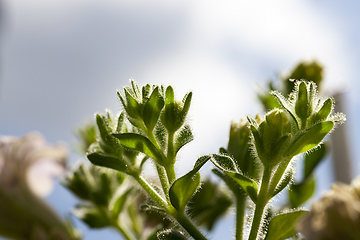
(62, 61)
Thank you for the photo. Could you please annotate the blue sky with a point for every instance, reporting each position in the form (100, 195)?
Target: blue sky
(62, 61)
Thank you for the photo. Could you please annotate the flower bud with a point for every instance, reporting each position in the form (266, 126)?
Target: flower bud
(272, 136)
(174, 112)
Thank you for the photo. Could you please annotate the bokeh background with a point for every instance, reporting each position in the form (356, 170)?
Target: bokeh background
(61, 61)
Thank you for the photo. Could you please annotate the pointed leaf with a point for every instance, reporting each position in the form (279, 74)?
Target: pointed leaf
(169, 95)
(183, 188)
(132, 106)
(142, 144)
(92, 217)
(104, 160)
(284, 182)
(121, 122)
(300, 193)
(135, 89)
(310, 138)
(152, 109)
(119, 203)
(227, 165)
(313, 158)
(187, 103)
(101, 196)
(231, 183)
(249, 185)
(146, 91)
(324, 111)
(200, 162)
(282, 226)
(224, 162)
(104, 129)
(284, 103)
(302, 104)
(183, 137)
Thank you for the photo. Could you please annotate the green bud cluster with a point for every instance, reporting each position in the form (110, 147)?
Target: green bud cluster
(240, 149)
(109, 200)
(94, 184)
(144, 107)
(300, 125)
(158, 124)
(271, 136)
(107, 150)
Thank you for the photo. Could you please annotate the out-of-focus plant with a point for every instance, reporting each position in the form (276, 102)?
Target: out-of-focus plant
(256, 165)
(336, 215)
(27, 166)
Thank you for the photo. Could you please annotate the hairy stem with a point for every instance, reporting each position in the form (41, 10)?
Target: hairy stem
(240, 216)
(179, 216)
(189, 226)
(170, 170)
(261, 202)
(163, 180)
(160, 169)
(152, 192)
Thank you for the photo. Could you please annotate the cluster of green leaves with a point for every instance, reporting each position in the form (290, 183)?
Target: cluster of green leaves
(255, 166)
(297, 126)
(109, 199)
(300, 191)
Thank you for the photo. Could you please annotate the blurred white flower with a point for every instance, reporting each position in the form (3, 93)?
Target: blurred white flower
(27, 168)
(30, 162)
(336, 215)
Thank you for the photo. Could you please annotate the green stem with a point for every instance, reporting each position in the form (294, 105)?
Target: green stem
(261, 202)
(179, 216)
(170, 150)
(152, 192)
(163, 180)
(189, 226)
(240, 216)
(160, 169)
(170, 169)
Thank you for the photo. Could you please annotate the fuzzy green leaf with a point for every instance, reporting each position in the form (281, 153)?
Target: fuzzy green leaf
(227, 165)
(187, 102)
(142, 144)
(282, 226)
(183, 188)
(249, 185)
(171, 234)
(101, 196)
(152, 109)
(120, 202)
(104, 160)
(169, 95)
(302, 104)
(313, 158)
(324, 111)
(286, 105)
(310, 138)
(284, 182)
(92, 217)
(224, 162)
(183, 137)
(300, 193)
